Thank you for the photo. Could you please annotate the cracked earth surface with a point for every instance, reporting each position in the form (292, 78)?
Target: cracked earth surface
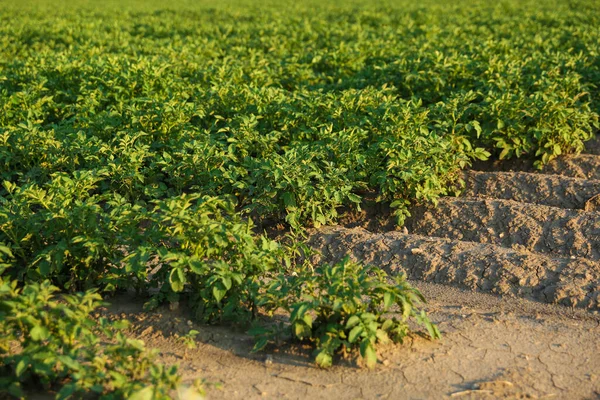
(511, 270)
(492, 347)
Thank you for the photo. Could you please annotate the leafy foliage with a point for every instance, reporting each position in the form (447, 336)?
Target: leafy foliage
(343, 306)
(138, 143)
(297, 113)
(59, 343)
(203, 247)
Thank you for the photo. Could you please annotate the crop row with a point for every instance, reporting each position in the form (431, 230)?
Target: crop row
(140, 146)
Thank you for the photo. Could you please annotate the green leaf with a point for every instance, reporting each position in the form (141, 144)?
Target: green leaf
(557, 150)
(368, 354)
(15, 390)
(146, 393)
(226, 282)
(382, 336)
(119, 379)
(354, 198)
(388, 300)
(257, 331)
(44, 268)
(67, 391)
(355, 333)
(177, 279)
(21, 367)
(39, 333)
(6, 250)
(387, 325)
(307, 318)
(324, 359)
(301, 330)
(289, 200)
(69, 362)
(218, 293)
(260, 344)
(352, 321)
(368, 317)
(399, 203)
(121, 324)
(298, 311)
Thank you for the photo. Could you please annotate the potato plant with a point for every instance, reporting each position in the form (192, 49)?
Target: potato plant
(342, 307)
(63, 348)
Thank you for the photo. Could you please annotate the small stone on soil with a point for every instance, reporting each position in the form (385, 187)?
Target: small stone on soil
(593, 204)
(147, 331)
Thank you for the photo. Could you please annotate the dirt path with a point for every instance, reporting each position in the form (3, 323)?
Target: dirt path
(492, 347)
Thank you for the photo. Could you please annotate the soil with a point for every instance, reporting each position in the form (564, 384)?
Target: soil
(506, 223)
(525, 187)
(586, 166)
(583, 166)
(593, 204)
(593, 146)
(511, 271)
(492, 347)
(469, 265)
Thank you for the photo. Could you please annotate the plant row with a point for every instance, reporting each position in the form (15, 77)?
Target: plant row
(144, 147)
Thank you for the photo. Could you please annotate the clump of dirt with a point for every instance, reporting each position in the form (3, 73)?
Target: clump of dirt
(593, 204)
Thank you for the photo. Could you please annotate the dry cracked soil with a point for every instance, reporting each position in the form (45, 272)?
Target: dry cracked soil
(511, 271)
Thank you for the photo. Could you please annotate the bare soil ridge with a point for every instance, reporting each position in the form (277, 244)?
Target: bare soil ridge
(515, 231)
(468, 265)
(585, 166)
(507, 223)
(535, 188)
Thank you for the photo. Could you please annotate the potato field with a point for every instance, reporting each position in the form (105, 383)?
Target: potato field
(284, 173)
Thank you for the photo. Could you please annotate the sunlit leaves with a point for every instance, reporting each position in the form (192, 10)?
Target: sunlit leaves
(344, 306)
(60, 343)
(148, 149)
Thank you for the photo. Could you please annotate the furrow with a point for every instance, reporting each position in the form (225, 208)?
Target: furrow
(585, 166)
(564, 233)
(468, 265)
(593, 146)
(549, 190)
